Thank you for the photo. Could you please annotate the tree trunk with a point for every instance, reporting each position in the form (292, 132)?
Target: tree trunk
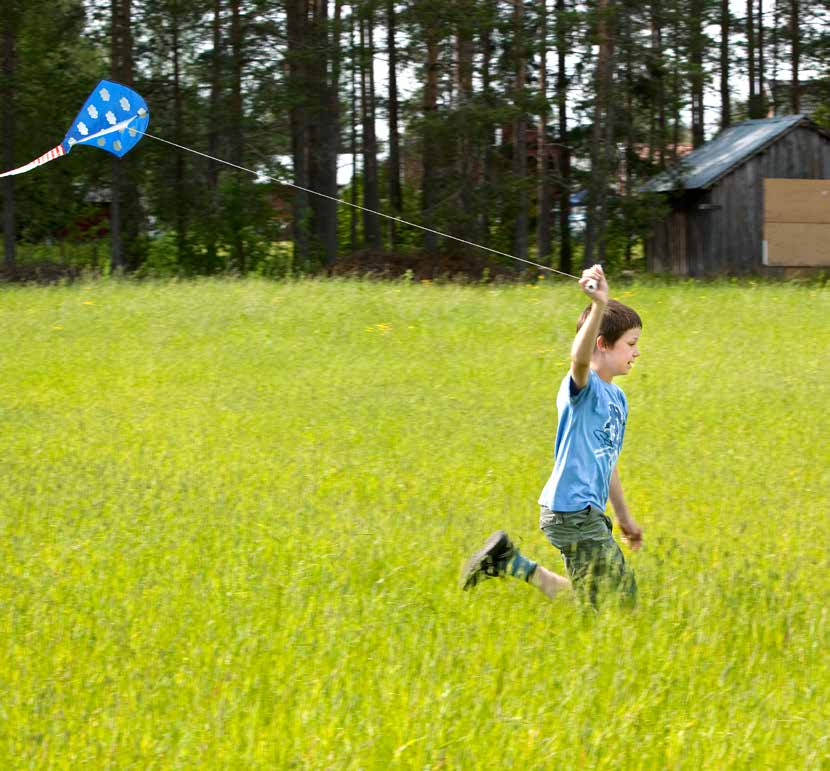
(394, 163)
(331, 241)
(725, 97)
(323, 128)
(121, 56)
(762, 99)
(353, 210)
(296, 23)
(464, 220)
(659, 59)
(776, 53)
(371, 192)
(429, 181)
(750, 59)
(487, 131)
(696, 61)
(520, 239)
(795, 56)
(676, 86)
(9, 43)
(236, 138)
(215, 94)
(602, 136)
(214, 134)
(611, 168)
(182, 203)
(626, 36)
(564, 155)
(544, 195)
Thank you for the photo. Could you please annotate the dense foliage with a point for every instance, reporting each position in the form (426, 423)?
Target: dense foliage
(523, 125)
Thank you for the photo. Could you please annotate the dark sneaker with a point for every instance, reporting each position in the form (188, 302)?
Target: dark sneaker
(490, 561)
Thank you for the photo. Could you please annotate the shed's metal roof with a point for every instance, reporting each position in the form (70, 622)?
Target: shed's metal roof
(716, 158)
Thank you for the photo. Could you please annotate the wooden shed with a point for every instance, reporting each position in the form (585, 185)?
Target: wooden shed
(755, 199)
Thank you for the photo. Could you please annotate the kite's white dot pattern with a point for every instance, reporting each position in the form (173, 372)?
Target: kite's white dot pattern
(114, 118)
(99, 126)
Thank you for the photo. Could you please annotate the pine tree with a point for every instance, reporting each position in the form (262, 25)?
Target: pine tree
(371, 190)
(564, 154)
(121, 58)
(725, 65)
(697, 21)
(795, 56)
(297, 56)
(8, 92)
(394, 162)
(543, 176)
(603, 134)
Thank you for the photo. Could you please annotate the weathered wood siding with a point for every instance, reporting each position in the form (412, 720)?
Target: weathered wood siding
(666, 249)
(701, 232)
(740, 198)
(720, 231)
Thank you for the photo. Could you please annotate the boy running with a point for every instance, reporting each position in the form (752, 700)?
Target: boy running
(592, 416)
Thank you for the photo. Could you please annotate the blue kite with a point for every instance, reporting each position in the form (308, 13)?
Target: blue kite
(113, 118)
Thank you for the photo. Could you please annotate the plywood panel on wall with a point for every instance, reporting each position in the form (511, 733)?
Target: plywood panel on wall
(796, 222)
(797, 200)
(796, 244)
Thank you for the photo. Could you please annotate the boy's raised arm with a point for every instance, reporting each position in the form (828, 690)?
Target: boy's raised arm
(586, 338)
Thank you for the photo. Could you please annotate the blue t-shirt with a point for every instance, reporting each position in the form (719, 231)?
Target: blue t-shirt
(588, 442)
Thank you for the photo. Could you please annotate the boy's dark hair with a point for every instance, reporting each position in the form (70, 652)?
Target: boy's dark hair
(616, 321)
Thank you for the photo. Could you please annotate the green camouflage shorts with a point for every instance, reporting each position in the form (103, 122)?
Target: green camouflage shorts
(592, 557)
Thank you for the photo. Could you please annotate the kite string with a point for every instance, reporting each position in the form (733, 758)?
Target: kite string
(362, 208)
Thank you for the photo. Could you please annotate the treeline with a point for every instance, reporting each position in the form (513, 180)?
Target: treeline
(526, 126)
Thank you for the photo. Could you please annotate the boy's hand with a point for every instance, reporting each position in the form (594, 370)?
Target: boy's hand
(595, 273)
(632, 532)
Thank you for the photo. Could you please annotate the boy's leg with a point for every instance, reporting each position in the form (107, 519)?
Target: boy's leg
(594, 566)
(619, 573)
(499, 557)
(592, 556)
(548, 582)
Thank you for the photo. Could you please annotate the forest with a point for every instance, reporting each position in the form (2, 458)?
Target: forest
(525, 126)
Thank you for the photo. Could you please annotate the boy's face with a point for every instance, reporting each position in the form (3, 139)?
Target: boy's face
(620, 357)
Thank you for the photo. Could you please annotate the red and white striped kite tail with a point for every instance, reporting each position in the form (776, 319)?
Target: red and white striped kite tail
(55, 152)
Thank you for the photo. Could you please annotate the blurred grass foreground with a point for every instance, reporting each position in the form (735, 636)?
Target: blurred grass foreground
(233, 515)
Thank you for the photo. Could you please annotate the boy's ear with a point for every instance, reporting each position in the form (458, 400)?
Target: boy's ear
(601, 343)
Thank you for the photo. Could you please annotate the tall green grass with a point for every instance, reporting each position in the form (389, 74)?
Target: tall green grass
(233, 515)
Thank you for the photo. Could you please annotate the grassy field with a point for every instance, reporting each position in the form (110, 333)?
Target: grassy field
(233, 515)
